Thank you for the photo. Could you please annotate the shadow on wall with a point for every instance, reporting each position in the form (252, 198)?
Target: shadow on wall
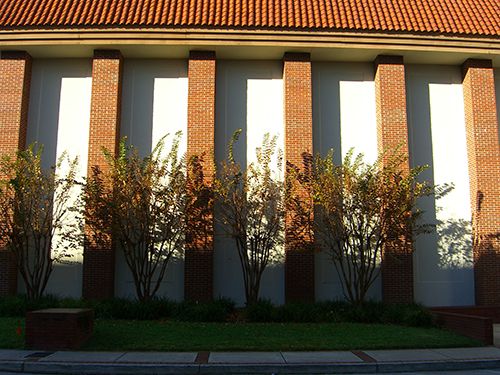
(454, 236)
(486, 259)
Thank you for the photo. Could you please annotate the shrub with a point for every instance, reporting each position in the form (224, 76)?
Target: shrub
(36, 221)
(360, 212)
(262, 311)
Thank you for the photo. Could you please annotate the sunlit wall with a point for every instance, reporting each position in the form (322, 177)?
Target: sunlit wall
(443, 269)
(58, 118)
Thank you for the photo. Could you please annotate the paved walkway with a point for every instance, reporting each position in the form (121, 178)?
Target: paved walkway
(369, 361)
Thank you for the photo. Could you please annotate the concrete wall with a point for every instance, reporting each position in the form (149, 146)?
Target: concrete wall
(249, 96)
(343, 118)
(443, 269)
(59, 119)
(154, 104)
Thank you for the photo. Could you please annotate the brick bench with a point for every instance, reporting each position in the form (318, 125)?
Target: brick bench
(58, 329)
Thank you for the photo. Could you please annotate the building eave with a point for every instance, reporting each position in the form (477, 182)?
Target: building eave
(251, 44)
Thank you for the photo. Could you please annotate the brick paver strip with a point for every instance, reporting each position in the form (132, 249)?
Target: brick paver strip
(365, 357)
(202, 358)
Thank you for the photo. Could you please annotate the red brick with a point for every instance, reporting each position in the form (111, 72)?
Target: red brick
(58, 329)
(198, 266)
(299, 255)
(15, 81)
(105, 113)
(392, 130)
(484, 169)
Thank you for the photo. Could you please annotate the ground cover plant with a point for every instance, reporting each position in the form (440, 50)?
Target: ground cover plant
(223, 310)
(164, 325)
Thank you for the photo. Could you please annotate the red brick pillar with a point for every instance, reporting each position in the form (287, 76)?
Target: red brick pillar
(198, 267)
(105, 114)
(15, 81)
(484, 171)
(299, 257)
(392, 129)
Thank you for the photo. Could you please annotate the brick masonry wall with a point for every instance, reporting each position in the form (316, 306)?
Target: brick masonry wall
(198, 267)
(105, 113)
(484, 169)
(15, 81)
(492, 312)
(58, 329)
(392, 130)
(297, 96)
(476, 327)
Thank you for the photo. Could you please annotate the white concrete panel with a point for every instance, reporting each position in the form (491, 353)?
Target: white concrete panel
(447, 115)
(155, 93)
(59, 117)
(154, 102)
(264, 114)
(172, 284)
(249, 96)
(343, 117)
(170, 112)
(358, 127)
(443, 270)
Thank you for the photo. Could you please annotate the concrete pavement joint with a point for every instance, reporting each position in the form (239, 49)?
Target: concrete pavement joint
(120, 357)
(282, 356)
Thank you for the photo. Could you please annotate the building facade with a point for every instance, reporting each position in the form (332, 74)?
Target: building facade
(79, 75)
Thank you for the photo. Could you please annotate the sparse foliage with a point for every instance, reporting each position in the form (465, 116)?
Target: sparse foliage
(360, 211)
(140, 204)
(251, 208)
(35, 220)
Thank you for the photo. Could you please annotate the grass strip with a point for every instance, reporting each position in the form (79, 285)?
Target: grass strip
(160, 335)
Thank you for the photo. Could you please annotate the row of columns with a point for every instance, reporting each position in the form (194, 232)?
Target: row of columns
(392, 129)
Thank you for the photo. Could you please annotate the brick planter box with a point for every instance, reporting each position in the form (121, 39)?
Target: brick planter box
(473, 321)
(58, 329)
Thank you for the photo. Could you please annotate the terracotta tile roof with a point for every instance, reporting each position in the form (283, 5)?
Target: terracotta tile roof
(476, 17)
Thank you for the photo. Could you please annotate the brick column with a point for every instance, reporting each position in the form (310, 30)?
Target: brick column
(15, 81)
(199, 256)
(105, 114)
(392, 129)
(299, 257)
(484, 171)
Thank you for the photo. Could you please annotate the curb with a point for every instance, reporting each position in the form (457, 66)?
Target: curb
(206, 369)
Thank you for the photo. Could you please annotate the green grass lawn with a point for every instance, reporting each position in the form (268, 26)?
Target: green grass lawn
(122, 335)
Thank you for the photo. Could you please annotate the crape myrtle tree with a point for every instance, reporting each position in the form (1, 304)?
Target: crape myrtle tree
(140, 204)
(251, 210)
(360, 210)
(36, 220)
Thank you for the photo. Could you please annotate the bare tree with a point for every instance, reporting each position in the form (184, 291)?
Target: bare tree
(140, 204)
(359, 210)
(35, 220)
(251, 209)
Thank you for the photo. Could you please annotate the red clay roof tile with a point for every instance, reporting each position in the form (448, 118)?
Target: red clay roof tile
(475, 17)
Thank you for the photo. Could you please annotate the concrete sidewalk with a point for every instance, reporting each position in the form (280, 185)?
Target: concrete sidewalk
(369, 361)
